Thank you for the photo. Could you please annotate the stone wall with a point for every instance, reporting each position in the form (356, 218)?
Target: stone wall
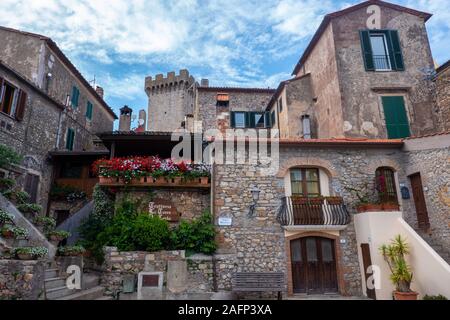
(442, 83)
(213, 117)
(21, 280)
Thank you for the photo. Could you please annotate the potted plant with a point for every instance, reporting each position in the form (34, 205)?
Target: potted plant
(58, 235)
(6, 184)
(45, 224)
(29, 208)
(10, 232)
(401, 275)
(72, 251)
(30, 253)
(5, 218)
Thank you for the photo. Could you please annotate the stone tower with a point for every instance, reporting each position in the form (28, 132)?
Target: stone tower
(170, 100)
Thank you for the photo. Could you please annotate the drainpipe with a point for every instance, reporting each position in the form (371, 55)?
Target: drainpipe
(58, 135)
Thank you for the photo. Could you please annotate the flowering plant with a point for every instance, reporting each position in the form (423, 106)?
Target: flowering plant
(137, 167)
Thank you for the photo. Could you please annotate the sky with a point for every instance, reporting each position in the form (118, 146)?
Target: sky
(251, 43)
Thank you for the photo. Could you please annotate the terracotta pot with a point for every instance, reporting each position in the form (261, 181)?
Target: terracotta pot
(405, 295)
(137, 181)
(177, 180)
(369, 207)
(204, 180)
(149, 180)
(391, 207)
(25, 256)
(161, 180)
(8, 234)
(56, 238)
(107, 180)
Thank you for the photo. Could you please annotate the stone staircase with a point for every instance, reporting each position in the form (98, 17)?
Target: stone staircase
(442, 250)
(56, 289)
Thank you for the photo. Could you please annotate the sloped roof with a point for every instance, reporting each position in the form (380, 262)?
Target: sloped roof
(53, 46)
(330, 16)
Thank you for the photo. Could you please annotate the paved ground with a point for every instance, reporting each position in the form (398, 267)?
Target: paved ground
(323, 297)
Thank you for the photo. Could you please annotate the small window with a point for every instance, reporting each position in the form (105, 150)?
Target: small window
(305, 182)
(385, 185)
(380, 52)
(239, 120)
(89, 108)
(223, 100)
(306, 124)
(259, 120)
(70, 138)
(9, 99)
(75, 97)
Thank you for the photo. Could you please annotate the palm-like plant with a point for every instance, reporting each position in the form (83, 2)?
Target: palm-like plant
(394, 254)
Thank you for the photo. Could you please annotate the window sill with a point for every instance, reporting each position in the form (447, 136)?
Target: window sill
(8, 115)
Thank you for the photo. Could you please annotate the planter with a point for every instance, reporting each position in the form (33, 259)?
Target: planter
(161, 180)
(390, 207)
(204, 180)
(370, 207)
(25, 256)
(405, 295)
(55, 238)
(107, 180)
(138, 181)
(8, 234)
(177, 180)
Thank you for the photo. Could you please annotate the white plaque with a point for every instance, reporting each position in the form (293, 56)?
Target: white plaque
(225, 221)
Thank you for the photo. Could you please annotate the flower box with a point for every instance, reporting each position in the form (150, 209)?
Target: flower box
(160, 180)
(25, 256)
(390, 207)
(107, 180)
(204, 180)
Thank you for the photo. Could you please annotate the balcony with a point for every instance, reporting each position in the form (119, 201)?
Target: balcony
(321, 211)
(382, 63)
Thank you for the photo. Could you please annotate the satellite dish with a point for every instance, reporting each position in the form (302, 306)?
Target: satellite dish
(141, 122)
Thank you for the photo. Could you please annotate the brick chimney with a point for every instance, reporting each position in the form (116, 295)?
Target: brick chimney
(100, 91)
(125, 119)
(204, 83)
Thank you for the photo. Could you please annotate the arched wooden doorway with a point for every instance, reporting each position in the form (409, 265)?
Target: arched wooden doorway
(313, 262)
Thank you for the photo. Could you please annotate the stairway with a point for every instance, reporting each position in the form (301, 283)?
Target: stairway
(56, 289)
(443, 251)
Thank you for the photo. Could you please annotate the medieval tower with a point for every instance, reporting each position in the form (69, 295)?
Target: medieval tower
(170, 100)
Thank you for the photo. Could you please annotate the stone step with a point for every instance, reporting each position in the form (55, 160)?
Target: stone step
(53, 283)
(90, 294)
(90, 280)
(51, 273)
(58, 293)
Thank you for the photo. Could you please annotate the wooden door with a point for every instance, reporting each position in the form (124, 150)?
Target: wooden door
(367, 262)
(31, 186)
(419, 201)
(313, 265)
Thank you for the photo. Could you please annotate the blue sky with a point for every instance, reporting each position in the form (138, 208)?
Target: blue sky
(253, 43)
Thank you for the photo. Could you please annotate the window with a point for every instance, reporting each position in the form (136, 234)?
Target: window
(70, 139)
(258, 120)
(305, 182)
(89, 108)
(241, 119)
(223, 100)
(306, 124)
(75, 96)
(71, 170)
(385, 185)
(397, 124)
(381, 50)
(12, 100)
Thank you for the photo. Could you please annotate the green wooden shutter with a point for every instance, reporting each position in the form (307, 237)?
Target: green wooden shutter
(248, 121)
(232, 120)
(267, 120)
(395, 50)
(272, 119)
(367, 50)
(252, 122)
(75, 96)
(70, 139)
(89, 108)
(395, 116)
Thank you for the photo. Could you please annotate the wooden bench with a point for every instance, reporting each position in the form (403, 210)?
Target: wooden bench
(258, 282)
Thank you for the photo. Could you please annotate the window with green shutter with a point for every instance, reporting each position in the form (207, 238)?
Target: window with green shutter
(381, 50)
(397, 124)
(89, 108)
(70, 139)
(75, 96)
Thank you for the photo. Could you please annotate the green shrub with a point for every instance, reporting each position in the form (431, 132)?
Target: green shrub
(18, 232)
(59, 234)
(6, 184)
(119, 233)
(150, 233)
(29, 208)
(438, 297)
(36, 252)
(71, 250)
(47, 222)
(8, 156)
(5, 217)
(196, 236)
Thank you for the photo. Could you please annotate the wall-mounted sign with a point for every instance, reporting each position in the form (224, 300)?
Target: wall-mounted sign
(405, 192)
(225, 221)
(164, 209)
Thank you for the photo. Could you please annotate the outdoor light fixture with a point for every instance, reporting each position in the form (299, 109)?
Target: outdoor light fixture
(255, 195)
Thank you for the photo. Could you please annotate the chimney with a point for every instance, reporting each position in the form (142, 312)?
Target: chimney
(142, 121)
(204, 83)
(125, 119)
(100, 91)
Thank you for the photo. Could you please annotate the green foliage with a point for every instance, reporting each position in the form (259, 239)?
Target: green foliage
(150, 233)
(18, 232)
(195, 236)
(394, 254)
(47, 222)
(29, 208)
(438, 297)
(61, 234)
(8, 156)
(71, 250)
(66, 193)
(6, 184)
(5, 217)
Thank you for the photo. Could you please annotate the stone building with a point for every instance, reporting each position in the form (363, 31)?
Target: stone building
(356, 77)
(48, 86)
(442, 82)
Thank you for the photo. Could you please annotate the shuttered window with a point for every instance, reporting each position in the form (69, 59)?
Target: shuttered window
(12, 100)
(397, 124)
(242, 119)
(89, 108)
(381, 50)
(75, 96)
(70, 138)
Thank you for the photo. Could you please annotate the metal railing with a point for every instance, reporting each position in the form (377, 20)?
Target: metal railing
(382, 62)
(296, 211)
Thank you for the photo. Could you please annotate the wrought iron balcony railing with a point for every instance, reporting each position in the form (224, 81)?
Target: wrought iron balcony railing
(297, 211)
(382, 62)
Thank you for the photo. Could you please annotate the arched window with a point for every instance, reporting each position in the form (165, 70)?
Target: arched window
(305, 182)
(385, 185)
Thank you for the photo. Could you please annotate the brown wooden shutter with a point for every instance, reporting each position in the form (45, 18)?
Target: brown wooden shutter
(20, 110)
(1, 92)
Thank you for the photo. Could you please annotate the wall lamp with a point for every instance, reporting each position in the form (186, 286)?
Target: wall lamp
(255, 195)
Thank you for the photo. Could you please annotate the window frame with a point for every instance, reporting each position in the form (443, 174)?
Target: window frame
(304, 183)
(243, 113)
(393, 196)
(70, 136)
(15, 99)
(89, 110)
(386, 51)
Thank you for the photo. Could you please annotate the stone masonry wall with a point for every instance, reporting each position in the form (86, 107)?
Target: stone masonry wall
(443, 98)
(21, 280)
